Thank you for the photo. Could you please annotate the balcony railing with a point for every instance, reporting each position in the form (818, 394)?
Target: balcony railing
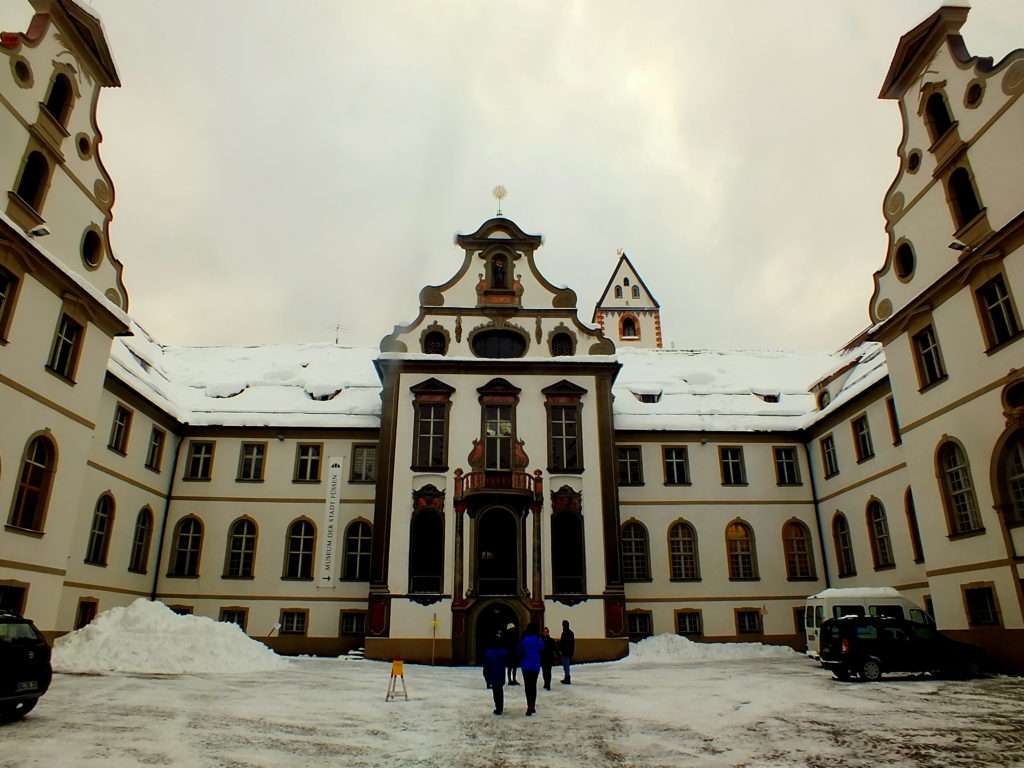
(501, 482)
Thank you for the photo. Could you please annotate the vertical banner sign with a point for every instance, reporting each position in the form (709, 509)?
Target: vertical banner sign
(329, 537)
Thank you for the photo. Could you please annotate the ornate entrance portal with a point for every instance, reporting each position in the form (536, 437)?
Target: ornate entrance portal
(492, 618)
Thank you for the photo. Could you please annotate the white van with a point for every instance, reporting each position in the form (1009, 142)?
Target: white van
(857, 601)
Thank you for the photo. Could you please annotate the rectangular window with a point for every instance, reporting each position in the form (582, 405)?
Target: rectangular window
(1001, 323)
(733, 470)
(565, 455)
(119, 430)
(86, 612)
(307, 463)
(787, 470)
(497, 437)
(677, 465)
(928, 357)
(862, 438)
(429, 449)
(364, 464)
(828, 456)
(630, 465)
(293, 622)
(67, 344)
(748, 622)
(155, 452)
(8, 284)
(981, 607)
(689, 624)
(353, 623)
(239, 616)
(182, 610)
(199, 464)
(639, 624)
(894, 421)
(251, 459)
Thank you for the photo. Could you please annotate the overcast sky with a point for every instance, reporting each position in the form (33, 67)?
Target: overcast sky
(282, 167)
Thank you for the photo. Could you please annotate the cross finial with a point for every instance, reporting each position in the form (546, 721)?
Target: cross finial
(619, 252)
(499, 193)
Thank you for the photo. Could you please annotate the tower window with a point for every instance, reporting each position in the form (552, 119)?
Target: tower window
(33, 180)
(965, 199)
(499, 273)
(58, 103)
(903, 262)
(92, 248)
(937, 113)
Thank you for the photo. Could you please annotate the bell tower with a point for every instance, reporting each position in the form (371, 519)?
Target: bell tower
(627, 311)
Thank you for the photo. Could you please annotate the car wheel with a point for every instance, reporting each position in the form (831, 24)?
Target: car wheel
(870, 671)
(17, 710)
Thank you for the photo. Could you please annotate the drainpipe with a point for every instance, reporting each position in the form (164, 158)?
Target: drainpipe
(167, 509)
(817, 517)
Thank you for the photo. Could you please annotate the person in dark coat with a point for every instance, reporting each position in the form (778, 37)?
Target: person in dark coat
(567, 647)
(494, 671)
(529, 651)
(511, 639)
(548, 656)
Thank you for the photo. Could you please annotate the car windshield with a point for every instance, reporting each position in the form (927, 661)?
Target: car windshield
(15, 632)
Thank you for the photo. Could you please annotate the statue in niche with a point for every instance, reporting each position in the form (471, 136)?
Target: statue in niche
(499, 275)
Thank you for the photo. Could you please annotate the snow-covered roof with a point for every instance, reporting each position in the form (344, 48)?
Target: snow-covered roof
(330, 386)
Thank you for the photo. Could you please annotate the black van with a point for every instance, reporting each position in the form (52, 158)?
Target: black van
(25, 671)
(868, 646)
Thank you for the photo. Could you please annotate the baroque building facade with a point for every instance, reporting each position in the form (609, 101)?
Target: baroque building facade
(499, 460)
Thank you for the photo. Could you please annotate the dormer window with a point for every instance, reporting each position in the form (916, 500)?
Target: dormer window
(648, 396)
(937, 114)
(434, 343)
(618, 291)
(824, 398)
(58, 102)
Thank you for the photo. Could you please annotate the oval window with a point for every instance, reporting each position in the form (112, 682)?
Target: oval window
(499, 344)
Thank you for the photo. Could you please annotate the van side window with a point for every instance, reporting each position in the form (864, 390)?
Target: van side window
(809, 617)
(838, 611)
(886, 611)
(819, 615)
(867, 632)
(895, 634)
(917, 616)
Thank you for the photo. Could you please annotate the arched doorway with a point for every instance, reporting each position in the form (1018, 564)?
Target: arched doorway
(498, 553)
(491, 619)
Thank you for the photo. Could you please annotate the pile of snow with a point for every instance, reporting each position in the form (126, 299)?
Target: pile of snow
(148, 637)
(678, 648)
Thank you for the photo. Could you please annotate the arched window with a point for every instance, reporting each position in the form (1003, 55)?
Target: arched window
(187, 548)
(34, 483)
(567, 553)
(358, 543)
(683, 560)
(636, 563)
(1011, 477)
(958, 490)
(138, 561)
(618, 291)
(629, 330)
(299, 545)
(878, 533)
(561, 345)
(625, 281)
(965, 199)
(99, 533)
(426, 551)
(844, 546)
(59, 101)
(636, 291)
(241, 553)
(915, 532)
(739, 545)
(33, 180)
(796, 543)
(937, 114)
(434, 343)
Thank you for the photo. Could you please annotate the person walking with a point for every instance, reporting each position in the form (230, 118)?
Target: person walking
(567, 647)
(548, 656)
(511, 639)
(529, 651)
(494, 671)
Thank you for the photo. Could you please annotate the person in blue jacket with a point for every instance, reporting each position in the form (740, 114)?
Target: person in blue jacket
(494, 671)
(529, 652)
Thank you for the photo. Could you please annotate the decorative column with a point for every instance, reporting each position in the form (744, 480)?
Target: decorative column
(460, 509)
(536, 506)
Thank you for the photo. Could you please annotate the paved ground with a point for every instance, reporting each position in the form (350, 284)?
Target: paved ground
(763, 712)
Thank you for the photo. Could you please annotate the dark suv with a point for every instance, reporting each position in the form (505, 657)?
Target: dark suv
(870, 645)
(24, 666)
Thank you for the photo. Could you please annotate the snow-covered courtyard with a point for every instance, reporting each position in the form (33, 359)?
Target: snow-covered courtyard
(781, 710)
